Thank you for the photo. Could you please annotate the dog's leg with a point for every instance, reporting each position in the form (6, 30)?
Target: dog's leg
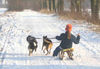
(49, 48)
(35, 49)
(47, 51)
(30, 52)
(44, 50)
(42, 46)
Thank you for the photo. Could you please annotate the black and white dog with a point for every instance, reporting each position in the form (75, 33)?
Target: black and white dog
(32, 44)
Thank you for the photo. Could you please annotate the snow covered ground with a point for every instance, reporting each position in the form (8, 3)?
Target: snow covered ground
(16, 26)
(2, 10)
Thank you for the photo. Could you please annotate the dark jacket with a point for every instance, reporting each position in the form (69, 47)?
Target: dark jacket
(67, 43)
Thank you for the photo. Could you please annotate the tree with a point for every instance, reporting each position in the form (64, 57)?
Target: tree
(56, 5)
(60, 6)
(53, 5)
(95, 9)
(72, 6)
(78, 5)
(18, 5)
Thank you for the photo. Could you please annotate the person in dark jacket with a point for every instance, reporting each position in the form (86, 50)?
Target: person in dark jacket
(66, 40)
(32, 44)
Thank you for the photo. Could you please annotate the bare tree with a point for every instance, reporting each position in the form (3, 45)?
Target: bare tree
(78, 5)
(60, 6)
(72, 5)
(95, 9)
(17, 5)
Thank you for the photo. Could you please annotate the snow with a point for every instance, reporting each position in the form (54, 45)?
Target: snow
(2, 10)
(16, 26)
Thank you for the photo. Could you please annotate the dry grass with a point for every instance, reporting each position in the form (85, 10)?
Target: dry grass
(46, 11)
(77, 16)
(84, 16)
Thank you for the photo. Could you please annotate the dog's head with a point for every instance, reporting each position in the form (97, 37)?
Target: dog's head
(31, 39)
(44, 37)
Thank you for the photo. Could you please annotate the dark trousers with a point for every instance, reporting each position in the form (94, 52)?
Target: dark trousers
(57, 50)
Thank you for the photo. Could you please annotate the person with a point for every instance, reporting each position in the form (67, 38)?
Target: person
(67, 39)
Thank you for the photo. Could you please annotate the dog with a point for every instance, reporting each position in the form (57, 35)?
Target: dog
(32, 44)
(47, 45)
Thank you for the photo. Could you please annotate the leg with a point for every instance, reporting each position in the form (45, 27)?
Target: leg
(61, 54)
(35, 48)
(30, 52)
(42, 46)
(49, 48)
(47, 51)
(56, 51)
(70, 54)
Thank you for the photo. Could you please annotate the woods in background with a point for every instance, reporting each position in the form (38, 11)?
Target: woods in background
(18, 5)
(75, 8)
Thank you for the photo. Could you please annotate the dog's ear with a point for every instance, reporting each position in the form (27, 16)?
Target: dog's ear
(46, 36)
(29, 35)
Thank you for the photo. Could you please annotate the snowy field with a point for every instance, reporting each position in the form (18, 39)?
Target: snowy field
(16, 26)
(2, 10)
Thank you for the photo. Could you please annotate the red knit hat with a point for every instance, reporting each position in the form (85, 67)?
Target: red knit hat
(68, 27)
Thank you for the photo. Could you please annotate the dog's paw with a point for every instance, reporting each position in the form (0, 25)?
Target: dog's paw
(46, 54)
(43, 51)
(30, 54)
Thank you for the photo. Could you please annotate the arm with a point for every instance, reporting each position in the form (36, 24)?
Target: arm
(75, 39)
(60, 37)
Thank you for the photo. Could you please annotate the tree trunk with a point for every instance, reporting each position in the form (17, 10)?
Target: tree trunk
(72, 6)
(95, 9)
(78, 6)
(56, 4)
(47, 4)
(53, 5)
(41, 4)
(44, 4)
(60, 6)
